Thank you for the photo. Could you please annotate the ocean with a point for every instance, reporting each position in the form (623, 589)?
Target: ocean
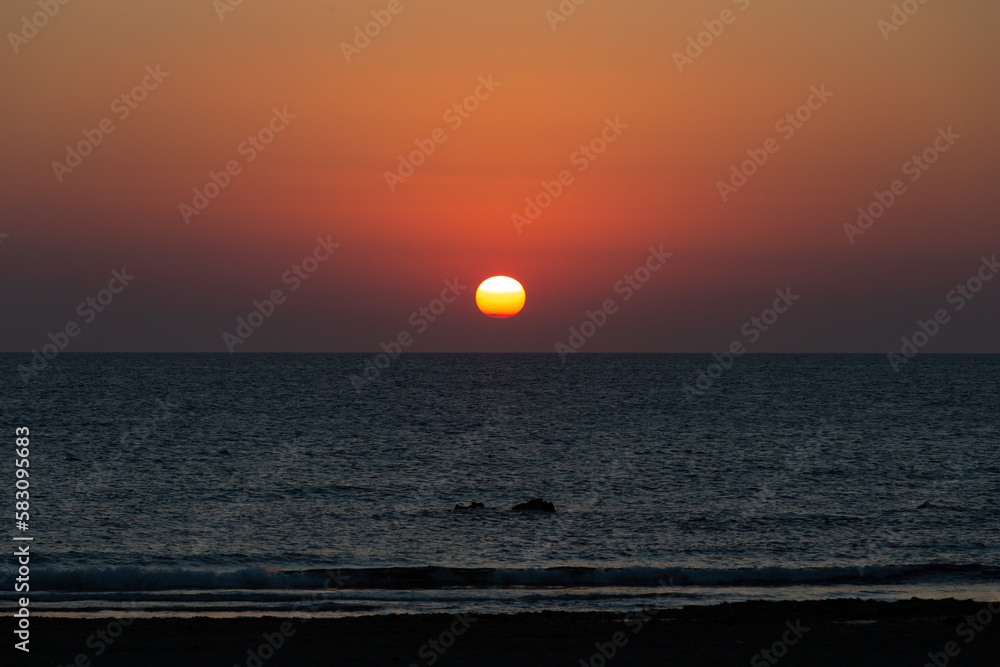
(227, 485)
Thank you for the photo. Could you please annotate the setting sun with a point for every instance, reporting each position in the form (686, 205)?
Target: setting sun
(500, 296)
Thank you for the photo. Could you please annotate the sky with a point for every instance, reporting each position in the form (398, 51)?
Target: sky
(632, 122)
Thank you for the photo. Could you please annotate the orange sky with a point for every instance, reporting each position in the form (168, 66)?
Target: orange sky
(656, 183)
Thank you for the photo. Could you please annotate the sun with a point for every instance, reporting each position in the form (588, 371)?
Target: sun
(500, 296)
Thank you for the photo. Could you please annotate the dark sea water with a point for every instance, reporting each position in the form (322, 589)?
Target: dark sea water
(236, 484)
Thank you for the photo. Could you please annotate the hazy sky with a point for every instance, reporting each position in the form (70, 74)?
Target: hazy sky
(662, 121)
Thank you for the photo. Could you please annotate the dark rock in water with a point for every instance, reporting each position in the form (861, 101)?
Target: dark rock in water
(926, 505)
(535, 505)
(223, 451)
(470, 506)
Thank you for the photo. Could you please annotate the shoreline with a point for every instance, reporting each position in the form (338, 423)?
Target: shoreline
(826, 632)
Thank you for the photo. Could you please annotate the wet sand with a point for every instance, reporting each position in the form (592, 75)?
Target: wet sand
(832, 632)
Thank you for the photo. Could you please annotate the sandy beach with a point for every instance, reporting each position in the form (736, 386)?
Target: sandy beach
(834, 632)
